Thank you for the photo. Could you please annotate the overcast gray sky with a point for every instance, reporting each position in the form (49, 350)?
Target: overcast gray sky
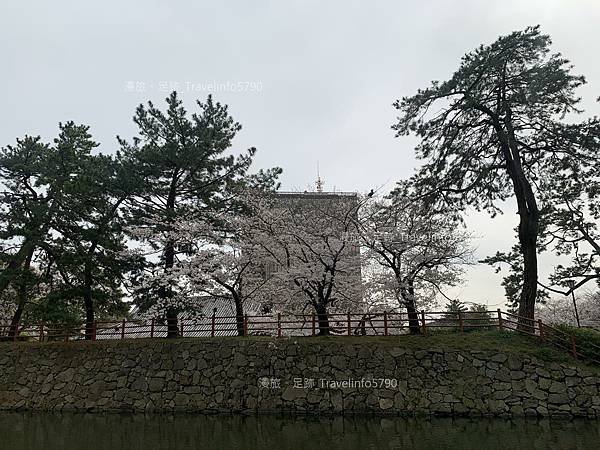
(311, 81)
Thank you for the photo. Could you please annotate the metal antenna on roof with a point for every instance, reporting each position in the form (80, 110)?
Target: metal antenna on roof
(319, 182)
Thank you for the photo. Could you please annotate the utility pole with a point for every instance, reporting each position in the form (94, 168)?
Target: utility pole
(571, 284)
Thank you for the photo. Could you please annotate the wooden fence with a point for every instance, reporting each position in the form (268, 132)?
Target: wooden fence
(381, 323)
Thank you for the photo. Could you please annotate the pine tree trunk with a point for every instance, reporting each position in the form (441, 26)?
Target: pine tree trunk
(16, 262)
(529, 217)
(21, 295)
(528, 230)
(13, 331)
(88, 302)
(528, 233)
(90, 316)
(167, 293)
(172, 323)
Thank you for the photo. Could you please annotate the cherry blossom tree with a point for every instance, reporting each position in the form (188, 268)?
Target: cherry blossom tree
(311, 251)
(218, 261)
(227, 272)
(559, 310)
(189, 173)
(414, 252)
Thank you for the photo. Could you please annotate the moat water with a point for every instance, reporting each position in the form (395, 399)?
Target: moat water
(46, 431)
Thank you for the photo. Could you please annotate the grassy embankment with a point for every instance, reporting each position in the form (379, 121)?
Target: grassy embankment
(484, 340)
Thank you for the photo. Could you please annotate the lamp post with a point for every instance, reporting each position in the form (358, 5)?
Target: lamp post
(571, 285)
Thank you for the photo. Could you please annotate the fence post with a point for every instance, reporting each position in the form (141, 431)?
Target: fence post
(313, 324)
(349, 326)
(246, 325)
(278, 324)
(212, 326)
(573, 347)
(385, 323)
(152, 328)
(460, 321)
(42, 331)
(540, 327)
(123, 329)
(423, 321)
(94, 330)
(500, 324)
(181, 327)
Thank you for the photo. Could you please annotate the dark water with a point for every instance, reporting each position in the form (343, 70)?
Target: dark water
(42, 431)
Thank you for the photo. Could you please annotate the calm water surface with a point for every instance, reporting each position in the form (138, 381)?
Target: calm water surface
(43, 431)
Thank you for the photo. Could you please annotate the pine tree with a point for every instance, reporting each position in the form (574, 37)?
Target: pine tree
(90, 251)
(188, 174)
(37, 178)
(491, 131)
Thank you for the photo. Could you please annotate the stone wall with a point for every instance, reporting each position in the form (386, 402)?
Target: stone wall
(298, 375)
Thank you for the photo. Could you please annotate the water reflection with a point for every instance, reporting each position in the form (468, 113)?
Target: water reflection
(34, 431)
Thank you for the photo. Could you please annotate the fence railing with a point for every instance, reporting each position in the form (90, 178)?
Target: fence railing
(380, 323)
(372, 323)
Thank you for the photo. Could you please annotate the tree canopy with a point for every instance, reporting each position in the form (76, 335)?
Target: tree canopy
(414, 251)
(187, 174)
(492, 130)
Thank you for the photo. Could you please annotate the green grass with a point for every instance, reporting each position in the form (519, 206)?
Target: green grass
(488, 340)
(587, 340)
(481, 340)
